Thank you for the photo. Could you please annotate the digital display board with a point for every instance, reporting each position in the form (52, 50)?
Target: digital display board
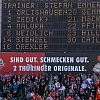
(50, 25)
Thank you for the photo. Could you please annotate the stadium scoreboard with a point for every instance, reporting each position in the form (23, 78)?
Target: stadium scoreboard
(50, 25)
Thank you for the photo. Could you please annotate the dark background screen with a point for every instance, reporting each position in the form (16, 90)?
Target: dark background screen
(50, 25)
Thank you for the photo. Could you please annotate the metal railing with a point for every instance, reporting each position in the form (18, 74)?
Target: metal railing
(21, 94)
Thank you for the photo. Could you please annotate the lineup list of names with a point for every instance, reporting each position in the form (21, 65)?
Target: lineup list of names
(50, 25)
